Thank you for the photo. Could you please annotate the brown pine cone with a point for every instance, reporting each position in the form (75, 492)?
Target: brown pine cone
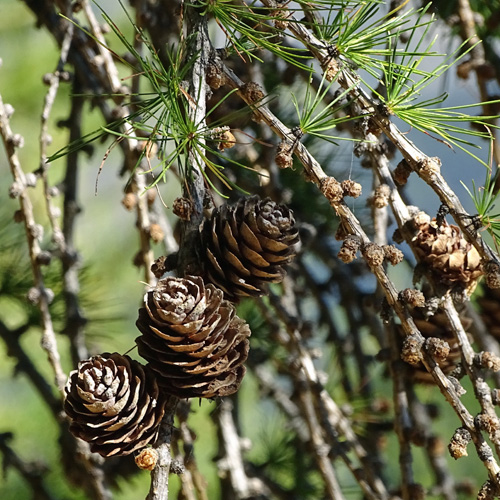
(452, 259)
(247, 245)
(437, 327)
(114, 404)
(192, 338)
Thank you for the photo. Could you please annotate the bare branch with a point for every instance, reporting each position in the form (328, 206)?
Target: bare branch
(231, 464)
(42, 295)
(26, 365)
(159, 476)
(32, 472)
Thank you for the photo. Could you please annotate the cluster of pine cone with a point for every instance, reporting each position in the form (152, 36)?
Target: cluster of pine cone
(191, 337)
(454, 263)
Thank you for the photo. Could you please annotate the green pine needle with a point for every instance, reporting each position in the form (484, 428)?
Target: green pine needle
(248, 30)
(161, 116)
(361, 37)
(316, 117)
(405, 80)
(485, 199)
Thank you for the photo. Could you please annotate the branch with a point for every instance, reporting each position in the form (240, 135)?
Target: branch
(194, 189)
(41, 295)
(159, 476)
(193, 183)
(231, 464)
(427, 168)
(25, 365)
(32, 472)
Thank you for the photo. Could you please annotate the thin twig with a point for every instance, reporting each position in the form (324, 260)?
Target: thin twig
(54, 80)
(477, 63)
(434, 445)
(326, 318)
(75, 317)
(231, 464)
(33, 235)
(143, 224)
(32, 472)
(159, 476)
(194, 485)
(108, 66)
(25, 365)
(403, 422)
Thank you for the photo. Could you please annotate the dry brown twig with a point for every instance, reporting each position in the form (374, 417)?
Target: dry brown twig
(32, 472)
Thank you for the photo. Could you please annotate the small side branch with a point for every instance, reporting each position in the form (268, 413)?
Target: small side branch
(194, 485)
(42, 295)
(159, 476)
(26, 366)
(31, 472)
(231, 464)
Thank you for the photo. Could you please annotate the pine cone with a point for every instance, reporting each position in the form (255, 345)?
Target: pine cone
(437, 326)
(247, 245)
(114, 404)
(192, 338)
(452, 259)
